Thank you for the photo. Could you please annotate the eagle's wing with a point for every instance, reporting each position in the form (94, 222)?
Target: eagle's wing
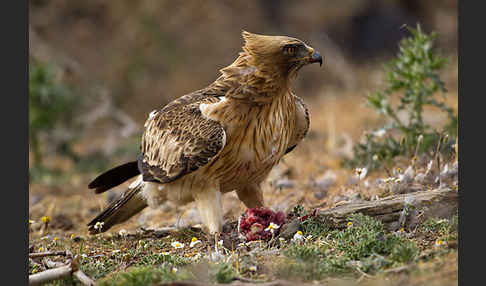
(178, 139)
(302, 123)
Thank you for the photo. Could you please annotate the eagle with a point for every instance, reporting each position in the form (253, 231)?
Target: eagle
(222, 138)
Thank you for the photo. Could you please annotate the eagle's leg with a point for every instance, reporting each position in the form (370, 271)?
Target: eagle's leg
(210, 209)
(251, 195)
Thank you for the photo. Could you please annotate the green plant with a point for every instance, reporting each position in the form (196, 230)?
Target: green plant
(310, 224)
(314, 227)
(303, 252)
(363, 245)
(413, 78)
(224, 273)
(443, 228)
(298, 211)
(366, 237)
(144, 275)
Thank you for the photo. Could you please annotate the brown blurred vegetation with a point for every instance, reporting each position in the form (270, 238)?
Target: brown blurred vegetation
(145, 53)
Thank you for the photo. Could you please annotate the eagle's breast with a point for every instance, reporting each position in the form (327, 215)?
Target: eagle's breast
(257, 137)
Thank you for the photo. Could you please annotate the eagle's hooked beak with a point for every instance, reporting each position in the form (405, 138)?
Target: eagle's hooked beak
(310, 56)
(316, 57)
(313, 56)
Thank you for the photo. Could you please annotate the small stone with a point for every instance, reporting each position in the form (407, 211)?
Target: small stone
(35, 198)
(449, 173)
(288, 230)
(353, 180)
(407, 176)
(327, 180)
(355, 198)
(320, 195)
(284, 183)
(420, 178)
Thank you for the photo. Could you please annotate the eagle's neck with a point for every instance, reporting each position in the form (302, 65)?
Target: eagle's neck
(249, 80)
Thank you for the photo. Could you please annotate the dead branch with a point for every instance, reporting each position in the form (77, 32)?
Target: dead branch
(83, 278)
(50, 275)
(439, 203)
(48, 253)
(51, 264)
(60, 273)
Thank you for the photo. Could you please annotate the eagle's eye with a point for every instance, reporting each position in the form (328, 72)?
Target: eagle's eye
(290, 50)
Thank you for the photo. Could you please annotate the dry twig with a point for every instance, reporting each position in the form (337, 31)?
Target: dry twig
(59, 273)
(51, 264)
(50, 275)
(48, 253)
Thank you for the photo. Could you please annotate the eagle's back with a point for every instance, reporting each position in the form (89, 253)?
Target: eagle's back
(178, 140)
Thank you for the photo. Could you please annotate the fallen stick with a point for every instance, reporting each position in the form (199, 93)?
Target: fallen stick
(83, 278)
(439, 203)
(50, 275)
(60, 273)
(48, 253)
(52, 264)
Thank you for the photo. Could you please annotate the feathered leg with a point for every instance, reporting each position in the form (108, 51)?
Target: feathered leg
(251, 195)
(210, 209)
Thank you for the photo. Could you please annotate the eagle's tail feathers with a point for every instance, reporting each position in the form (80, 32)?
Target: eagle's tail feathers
(114, 177)
(129, 204)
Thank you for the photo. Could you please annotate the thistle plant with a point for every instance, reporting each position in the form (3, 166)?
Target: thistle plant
(413, 79)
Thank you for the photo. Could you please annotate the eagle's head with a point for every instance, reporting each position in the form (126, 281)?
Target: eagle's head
(281, 54)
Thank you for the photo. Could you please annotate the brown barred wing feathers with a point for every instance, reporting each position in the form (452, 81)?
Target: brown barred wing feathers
(179, 140)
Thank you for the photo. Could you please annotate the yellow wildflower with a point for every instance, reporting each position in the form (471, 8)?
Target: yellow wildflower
(45, 219)
(298, 236)
(440, 242)
(194, 241)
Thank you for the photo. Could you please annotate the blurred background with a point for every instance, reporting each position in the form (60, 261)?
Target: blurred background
(98, 68)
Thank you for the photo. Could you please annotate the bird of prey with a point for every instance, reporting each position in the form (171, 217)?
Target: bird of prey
(225, 137)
